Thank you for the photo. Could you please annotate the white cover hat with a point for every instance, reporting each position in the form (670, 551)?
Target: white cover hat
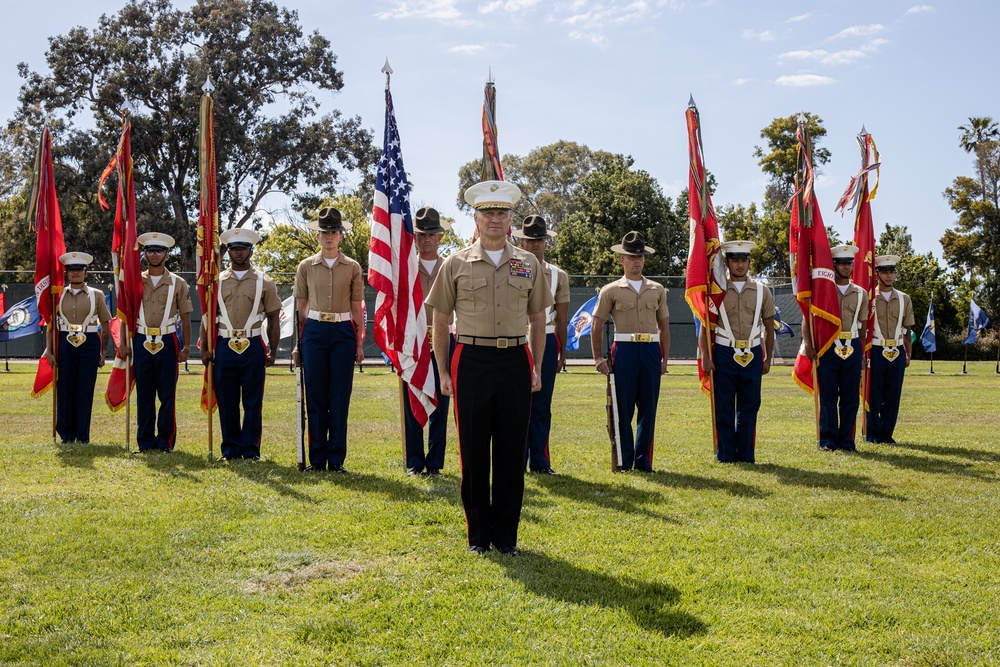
(738, 247)
(493, 194)
(156, 239)
(886, 261)
(239, 235)
(845, 251)
(75, 258)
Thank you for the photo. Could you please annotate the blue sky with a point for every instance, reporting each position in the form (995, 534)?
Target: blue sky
(617, 75)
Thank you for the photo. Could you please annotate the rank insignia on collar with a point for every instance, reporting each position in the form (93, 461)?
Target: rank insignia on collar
(520, 268)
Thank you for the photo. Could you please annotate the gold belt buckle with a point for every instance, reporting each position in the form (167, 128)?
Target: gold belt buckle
(328, 317)
(742, 344)
(890, 343)
(238, 333)
(76, 328)
(502, 342)
(640, 338)
(152, 331)
(845, 335)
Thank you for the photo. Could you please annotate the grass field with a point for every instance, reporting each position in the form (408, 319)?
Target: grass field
(884, 557)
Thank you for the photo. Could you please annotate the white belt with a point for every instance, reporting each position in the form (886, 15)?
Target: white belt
(78, 328)
(636, 338)
(154, 331)
(328, 317)
(239, 333)
(550, 328)
(887, 342)
(739, 344)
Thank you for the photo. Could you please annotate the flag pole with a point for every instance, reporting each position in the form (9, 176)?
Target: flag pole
(55, 370)
(965, 361)
(997, 371)
(402, 415)
(6, 354)
(932, 364)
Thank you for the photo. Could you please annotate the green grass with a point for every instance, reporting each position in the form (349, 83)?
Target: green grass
(885, 557)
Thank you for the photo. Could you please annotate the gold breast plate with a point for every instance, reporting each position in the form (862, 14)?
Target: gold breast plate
(76, 338)
(743, 355)
(889, 349)
(238, 342)
(153, 346)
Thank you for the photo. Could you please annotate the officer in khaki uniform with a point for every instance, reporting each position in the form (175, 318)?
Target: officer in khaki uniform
(248, 300)
(639, 353)
(157, 351)
(329, 296)
(839, 370)
(890, 353)
(429, 228)
(81, 310)
(497, 292)
(533, 237)
(741, 355)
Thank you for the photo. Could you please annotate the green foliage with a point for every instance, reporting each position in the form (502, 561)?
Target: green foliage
(780, 160)
(157, 57)
(768, 228)
(282, 248)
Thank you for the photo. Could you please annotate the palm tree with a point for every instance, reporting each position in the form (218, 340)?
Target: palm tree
(979, 130)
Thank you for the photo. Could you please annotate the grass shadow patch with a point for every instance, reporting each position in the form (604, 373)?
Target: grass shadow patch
(78, 455)
(890, 456)
(826, 480)
(621, 498)
(678, 480)
(979, 455)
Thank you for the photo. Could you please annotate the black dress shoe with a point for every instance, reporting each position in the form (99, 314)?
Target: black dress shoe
(544, 471)
(252, 458)
(479, 551)
(827, 448)
(433, 472)
(337, 468)
(315, 468)
(225, 458)
(508, 551)
(414, 471)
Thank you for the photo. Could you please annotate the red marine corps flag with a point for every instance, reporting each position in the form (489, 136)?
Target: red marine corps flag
(812, 268)
(857, 197)
(125, 260)
(208, 244)
(706, 269)
(43, 217)
(399, 323)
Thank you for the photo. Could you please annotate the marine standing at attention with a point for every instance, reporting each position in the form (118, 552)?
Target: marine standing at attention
(893, 321)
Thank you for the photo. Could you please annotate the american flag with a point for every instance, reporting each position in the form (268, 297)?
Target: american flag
(400, 322)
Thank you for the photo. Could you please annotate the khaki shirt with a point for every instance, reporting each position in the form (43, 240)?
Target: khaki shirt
(490, 301)
(561, 294)
(887, 313)
(633, 312)
(426, 280)
(75, 307)
(740, 308)
(238, 295)
(848, 302)
(154, 299)
(329, 290)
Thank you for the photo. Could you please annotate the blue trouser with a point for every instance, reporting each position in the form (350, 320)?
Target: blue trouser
(437, 425)
(328, 352)
(839, 382)
(637, 389)
(541, 408)
(884, 391)
(240, 378)
(492, 406)
(155, 377)
(737, 400)
(77, 375)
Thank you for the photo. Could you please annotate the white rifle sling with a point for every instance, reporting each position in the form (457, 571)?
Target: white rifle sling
(890, 347)
(238, 338)
(77, 333)
(154, 337)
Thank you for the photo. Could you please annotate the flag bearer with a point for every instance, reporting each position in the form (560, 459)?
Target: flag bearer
(249, 299)
(82, 309)
(743, 345)
(156, 348)
(839, 373)
(640, 351)
(533, 237)
(329, 296)
(428, 233)
(890, 354)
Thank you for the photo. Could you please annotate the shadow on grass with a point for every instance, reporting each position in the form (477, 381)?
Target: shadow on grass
(77, 455)
(889, 455)
(959, 452)
(650, 604)
(621, 498)
(678, 480)
(826, 480)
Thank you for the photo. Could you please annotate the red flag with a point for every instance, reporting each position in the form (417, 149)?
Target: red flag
(3, 303)
(44, 218)
(208, 237)
(400, 322)
(706, 270)
(491, 169)
(813, 278)
(124, 259)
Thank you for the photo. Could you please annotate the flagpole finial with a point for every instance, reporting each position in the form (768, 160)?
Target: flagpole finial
(691, 104)
(490, 78)
(863, 131)
(208, 88)
(386, 68)
(802, 118)
(126, 106)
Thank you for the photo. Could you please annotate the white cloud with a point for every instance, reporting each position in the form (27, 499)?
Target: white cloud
(741, 82)
(765, 36)
(595, 38)
(591, 20)
(831, 58)
(467, 49)
(440, 10)
(920, 9)
(804, 80)
(860, 31)
(509, 6)
(797, 19)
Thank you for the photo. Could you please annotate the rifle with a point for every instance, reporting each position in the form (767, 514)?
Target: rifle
(614, 432)
(299, 395)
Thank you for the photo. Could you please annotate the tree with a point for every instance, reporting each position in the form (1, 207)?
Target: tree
(157, 58)
(550, 178)
(979, 130)
(780, 162)
(768, 229)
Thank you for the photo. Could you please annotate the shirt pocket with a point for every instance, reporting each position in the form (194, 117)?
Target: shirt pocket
(518, 289)
(471, 295)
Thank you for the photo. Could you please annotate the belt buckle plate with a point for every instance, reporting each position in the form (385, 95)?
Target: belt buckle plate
(845, 335)
(640, 338)
(76, 328)
(502, 342)
(742, 344)
(152, 331)
(238, 333)
(328, 317)
(890, 343)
